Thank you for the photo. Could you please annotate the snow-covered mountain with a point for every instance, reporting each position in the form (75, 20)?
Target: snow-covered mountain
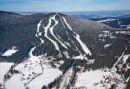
(56, 51)
(98, 14)
(115, 22)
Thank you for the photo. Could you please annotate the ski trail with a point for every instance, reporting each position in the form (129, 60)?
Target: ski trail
(67, 23)
(52, 33)
(38, 34)
(76, 48)
(81, 56)
(31, 52)
(83, 46)
(119, 59)
(86, 50)
(62, 21)
(51, 28)
(46, 32)
(119, 22)
(47, 28)
(66, 77)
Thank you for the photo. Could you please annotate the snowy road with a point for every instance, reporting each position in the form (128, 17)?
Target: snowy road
(119, 59)
(66, 77)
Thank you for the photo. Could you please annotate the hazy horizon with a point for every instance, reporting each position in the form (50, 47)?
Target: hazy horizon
(63, 5)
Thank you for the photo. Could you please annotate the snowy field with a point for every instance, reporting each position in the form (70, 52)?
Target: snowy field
(4, 69)
(33, 73)
(98, 79)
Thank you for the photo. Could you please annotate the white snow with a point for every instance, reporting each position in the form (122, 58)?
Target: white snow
(38, 33)
(83, 46)
(67, 44)
(49, 74)
(42, 41)
(62, 21)
(31, 52)
(46, 32)
(124, 61)
(66, 54)
(86, 50)
(97, 79)
(79, 57)
(105, 34)
(66, 77)
(107, 45)
(10, 52)
(125, 58)
(51, 30)
(66, 23)
(119, 59)
(106, 20)
(35, 72)
(88, 78)
(14, 83)
(28, 68)
(90, 61)
(4, 69)
(121, 32)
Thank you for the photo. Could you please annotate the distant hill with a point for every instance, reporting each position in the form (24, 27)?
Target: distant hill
(115, 22)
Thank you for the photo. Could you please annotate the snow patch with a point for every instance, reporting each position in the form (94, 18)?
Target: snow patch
(10, 52)
(107, 45)
(106, 20)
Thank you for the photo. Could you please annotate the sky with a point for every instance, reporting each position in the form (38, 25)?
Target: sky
(63, 5)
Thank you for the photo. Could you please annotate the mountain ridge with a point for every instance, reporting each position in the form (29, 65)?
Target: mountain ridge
(57, 51)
